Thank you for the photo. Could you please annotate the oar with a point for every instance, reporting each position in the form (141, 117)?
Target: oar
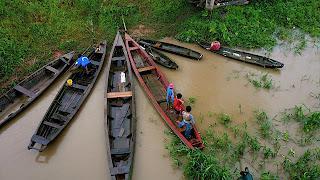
(124, 24)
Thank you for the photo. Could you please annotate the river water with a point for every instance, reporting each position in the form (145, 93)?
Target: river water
(218, 85)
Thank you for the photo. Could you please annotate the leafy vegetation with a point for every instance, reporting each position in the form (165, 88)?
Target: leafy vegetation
(224, 119)
(264, 123)
(268, 176)
(256, 25)
(305, 167)
(262, 81)
(220, 157)
(191, 101)
(310, 120)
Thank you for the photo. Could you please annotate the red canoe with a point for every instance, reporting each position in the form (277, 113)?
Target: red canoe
(154, 84)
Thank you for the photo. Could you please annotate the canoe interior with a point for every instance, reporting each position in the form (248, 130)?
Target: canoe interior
(245, 57)
(161, 59)
(120, 114)
(27, 90)
(171, 48)
(155, 84)
(67, 102)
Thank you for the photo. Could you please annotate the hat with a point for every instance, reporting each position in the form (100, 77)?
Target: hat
(171, 85)
(69, 82)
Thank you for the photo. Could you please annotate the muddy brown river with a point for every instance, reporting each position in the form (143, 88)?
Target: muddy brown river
(218, 84)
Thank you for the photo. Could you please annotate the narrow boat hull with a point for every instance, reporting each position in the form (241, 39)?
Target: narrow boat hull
(161, 58)
(154, 84)
(120, 125)
(171, 48)
(245, 57)
(68, 101)
(25, 92)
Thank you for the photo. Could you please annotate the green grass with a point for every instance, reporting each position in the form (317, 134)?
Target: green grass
(256, 25)
(207, 164)
(35, 29)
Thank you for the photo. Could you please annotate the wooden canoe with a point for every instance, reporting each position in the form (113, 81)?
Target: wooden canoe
(25, 92)
(120, 119)
(154, 84)
(161, 58)
(171, 48)
(68, 101)
(245, 57)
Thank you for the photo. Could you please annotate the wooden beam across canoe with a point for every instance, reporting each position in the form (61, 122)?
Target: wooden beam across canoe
(119, 94)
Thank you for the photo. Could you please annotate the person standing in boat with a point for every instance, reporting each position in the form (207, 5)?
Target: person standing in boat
(187, 121)
(83, 62)
(170, 96)
(177, 104)
(215, 46)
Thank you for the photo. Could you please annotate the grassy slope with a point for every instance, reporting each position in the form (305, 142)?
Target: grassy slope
(30, 31)
(256, 25)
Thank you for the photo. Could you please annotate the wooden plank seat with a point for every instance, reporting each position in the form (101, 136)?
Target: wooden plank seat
(119, 170)
(119, 94)
(119, 58)
(51, 124)
(148, 68)
(64, 60)
(79, 86)
(59, 117)
(133, 48)
(54, 70)
(25, 91)
(96, 63)
(119, 151)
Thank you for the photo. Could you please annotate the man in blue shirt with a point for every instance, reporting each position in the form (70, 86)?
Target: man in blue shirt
(83, 62)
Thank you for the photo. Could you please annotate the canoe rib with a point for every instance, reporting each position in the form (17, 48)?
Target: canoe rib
(67, 102)
(22, 95)
(154, 83)
(120, 125)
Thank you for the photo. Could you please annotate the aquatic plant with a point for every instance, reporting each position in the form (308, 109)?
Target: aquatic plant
(263, 81)
(266, 175)
(310, 120)
(224, 118)
(264, 123)
(267, 153)
(191, 100)
(305, 167)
